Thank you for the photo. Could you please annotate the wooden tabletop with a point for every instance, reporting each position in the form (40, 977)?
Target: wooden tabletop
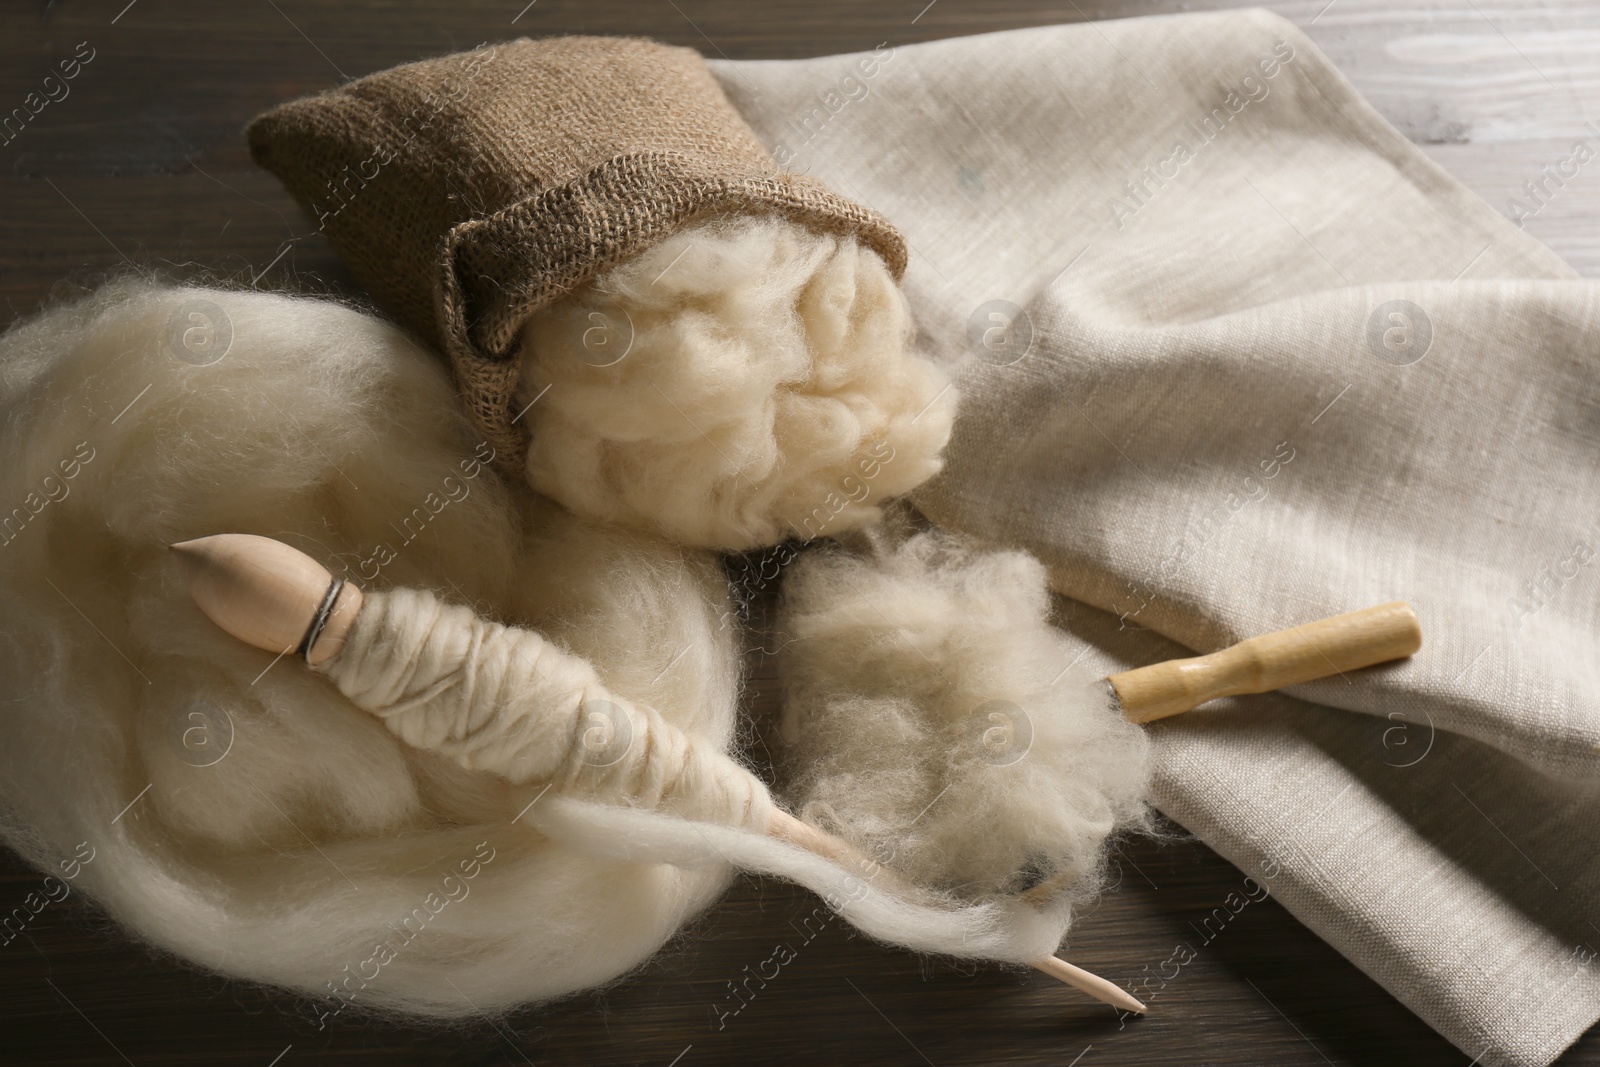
(141, 165)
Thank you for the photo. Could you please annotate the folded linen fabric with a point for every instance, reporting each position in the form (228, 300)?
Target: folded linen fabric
(1236, 356)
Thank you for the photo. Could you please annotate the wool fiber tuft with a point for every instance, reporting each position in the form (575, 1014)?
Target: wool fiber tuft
(931, 722)
(741, 382)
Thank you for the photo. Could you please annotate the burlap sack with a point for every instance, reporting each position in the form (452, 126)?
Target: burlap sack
(468, 191)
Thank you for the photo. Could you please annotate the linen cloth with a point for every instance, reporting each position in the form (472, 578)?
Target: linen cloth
(1237, 356)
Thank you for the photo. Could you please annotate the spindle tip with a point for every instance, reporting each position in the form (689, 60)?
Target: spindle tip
(1105, 991)
(266, 593)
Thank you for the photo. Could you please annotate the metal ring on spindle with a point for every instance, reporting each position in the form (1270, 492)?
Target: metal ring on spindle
(320, 619)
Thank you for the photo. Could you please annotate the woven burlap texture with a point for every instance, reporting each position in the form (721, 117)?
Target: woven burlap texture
(468, 191)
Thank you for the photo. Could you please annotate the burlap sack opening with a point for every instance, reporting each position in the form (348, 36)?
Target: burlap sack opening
(469, 191)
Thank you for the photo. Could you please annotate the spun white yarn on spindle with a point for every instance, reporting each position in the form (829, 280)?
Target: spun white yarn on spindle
(507, 700)
(744, 381)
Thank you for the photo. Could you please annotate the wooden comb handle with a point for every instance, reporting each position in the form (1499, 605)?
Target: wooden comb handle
(1272, 661)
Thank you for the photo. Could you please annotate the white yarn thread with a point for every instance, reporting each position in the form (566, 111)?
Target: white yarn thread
(1004, 930)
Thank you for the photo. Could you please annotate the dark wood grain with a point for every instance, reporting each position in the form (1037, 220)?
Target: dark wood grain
(143, 167)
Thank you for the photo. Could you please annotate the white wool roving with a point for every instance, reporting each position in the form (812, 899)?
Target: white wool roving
(740, 383)
(390, 846)
(928, 721)
(243, 813)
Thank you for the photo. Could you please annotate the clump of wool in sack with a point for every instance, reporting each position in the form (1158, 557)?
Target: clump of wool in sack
(742, 382)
